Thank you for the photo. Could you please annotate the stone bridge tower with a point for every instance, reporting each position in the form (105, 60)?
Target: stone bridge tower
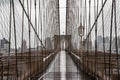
(61, 41)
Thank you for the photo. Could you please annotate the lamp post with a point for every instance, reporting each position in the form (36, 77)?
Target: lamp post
(81, 30)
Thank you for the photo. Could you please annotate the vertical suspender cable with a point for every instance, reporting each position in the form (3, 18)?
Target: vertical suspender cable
(31, 23)
(86, 27)
(84, 23)
(35, 38)
(116, 39)
(42, 38)
(96, 45)
(22, 31)
(8, 70)
(67, 16)
(88, 41)
(80, 38)
(110, 48)
(103, 33)
(15, 39)
(89, 23)
(29, 15)
(86, 17)
(81, 12)
(96, 30)
(39, 18)
(89, 33)
(30, 38)
(22, 38)
(37, 29)
(95, 13)
(59, 17)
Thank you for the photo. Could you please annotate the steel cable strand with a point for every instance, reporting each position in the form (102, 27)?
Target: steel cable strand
(103, 31)
(95, 21)
(96, 29)
(31, 24)
(35, 39)
(29, 34)
(116, 39)
(16, 77)
(110, 48)
(22, 34)
(8, 69)
(39, 18)
(37, 29)
(99, 28)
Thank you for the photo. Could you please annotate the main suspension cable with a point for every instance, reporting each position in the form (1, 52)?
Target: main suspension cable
(95, 21)
(31, 24)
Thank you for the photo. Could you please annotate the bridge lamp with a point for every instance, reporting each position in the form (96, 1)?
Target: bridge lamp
(81, 30)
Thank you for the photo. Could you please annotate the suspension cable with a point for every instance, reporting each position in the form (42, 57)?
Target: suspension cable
(22, 37)
(8, 70)
(110, 48)
(103, 31)
(31, 23)
(95, 14)
(29, 34)
(95, 22)
(22, 31)
(15, 39)
(35, 38)
(39, 35)
(116, 39)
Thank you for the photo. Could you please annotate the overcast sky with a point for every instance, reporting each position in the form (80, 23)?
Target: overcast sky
(5, 19)
(4, 5)
(62, 16)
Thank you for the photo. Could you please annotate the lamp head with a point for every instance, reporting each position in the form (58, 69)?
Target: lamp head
(81, 30)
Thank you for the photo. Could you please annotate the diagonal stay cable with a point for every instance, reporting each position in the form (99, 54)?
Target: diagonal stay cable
(95, 22)
(31, 24)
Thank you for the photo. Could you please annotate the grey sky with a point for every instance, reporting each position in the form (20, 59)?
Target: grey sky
(5, 18)
(62, 16)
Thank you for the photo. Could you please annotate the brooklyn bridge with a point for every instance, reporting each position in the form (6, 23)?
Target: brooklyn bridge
(59, 40)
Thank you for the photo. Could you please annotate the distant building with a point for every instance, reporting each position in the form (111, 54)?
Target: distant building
(114, 43)
(48, 43)
(4, 45)
(107, 39)
(101, 46)
(75, 45)
(88, 45)
(99, 40)
(107, 43)
(24, 46)
(100, 43)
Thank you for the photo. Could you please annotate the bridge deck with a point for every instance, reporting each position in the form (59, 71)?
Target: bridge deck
(63, 68)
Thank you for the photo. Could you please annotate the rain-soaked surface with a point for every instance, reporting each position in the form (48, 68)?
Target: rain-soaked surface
(63, 68)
